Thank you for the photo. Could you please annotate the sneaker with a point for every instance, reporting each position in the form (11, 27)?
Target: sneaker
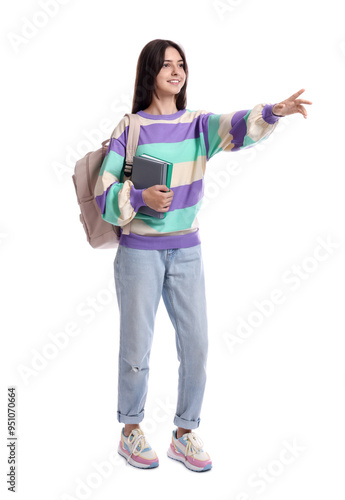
(136, 450)
(188, 449)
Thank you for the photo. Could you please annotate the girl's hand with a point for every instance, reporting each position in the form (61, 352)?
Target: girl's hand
(291, 105)
(156, 199)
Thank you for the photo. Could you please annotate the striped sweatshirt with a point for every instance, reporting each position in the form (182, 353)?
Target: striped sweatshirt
(188, 139)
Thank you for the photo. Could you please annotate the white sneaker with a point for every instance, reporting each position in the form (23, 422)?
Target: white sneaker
(188, 449)
(137, 451)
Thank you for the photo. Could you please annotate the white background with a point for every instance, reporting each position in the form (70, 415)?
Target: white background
(284, 383)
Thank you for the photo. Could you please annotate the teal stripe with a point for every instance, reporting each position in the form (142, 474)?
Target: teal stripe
(177, 220)
(188, 150)
(214, 138)
(113, 163)
(248, 141)
(175, 152)
(112, 210)
(202, 145)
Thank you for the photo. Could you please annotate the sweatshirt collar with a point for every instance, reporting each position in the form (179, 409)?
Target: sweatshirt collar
(162, 117)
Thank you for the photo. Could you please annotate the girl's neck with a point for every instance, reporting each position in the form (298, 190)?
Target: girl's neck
(161, 107)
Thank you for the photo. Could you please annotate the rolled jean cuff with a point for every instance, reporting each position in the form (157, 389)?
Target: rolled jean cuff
(130, 419)
(186, 424)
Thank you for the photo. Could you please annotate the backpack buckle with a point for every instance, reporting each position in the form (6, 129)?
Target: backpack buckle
(128, 169)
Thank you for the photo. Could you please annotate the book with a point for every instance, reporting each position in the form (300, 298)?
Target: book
(148, 171)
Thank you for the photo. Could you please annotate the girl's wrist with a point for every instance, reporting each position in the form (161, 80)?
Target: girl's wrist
(275, 114)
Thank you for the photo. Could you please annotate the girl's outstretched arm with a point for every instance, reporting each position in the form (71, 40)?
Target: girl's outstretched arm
(244, 129)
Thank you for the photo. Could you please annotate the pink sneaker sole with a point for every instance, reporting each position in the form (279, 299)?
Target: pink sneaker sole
(139, 465)
(175, 455)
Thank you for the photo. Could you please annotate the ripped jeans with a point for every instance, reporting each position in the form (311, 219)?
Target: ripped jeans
(141, 278)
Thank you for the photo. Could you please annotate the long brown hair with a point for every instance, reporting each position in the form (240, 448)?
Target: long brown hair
(149, 65)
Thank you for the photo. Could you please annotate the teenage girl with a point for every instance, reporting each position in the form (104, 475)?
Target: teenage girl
(162, 257)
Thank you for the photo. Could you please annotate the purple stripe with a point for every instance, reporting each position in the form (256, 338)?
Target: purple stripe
(163, 133)
(101, 198)
(237, 148)
(187, 195)
(238, 128)
(160, 242)
(117, 146)
(170, 132)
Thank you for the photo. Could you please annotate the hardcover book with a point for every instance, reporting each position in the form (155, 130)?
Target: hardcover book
(148, 171)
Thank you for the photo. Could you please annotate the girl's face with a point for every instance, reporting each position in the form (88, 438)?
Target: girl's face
(171, 77)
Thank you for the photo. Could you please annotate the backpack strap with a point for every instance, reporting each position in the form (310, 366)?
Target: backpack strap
(131, 147)
(132, 142)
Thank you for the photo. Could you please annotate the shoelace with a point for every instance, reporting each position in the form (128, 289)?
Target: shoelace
(194, 444)
(138, 440)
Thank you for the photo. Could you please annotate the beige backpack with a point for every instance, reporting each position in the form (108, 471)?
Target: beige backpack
(99, 233)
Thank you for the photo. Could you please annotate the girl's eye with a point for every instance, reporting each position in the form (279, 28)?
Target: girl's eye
(166, 64)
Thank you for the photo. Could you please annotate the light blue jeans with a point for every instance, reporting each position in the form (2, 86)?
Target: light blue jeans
(141, 278)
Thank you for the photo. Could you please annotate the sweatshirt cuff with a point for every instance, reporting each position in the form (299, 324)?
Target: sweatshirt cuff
(268, 115)
(136, 198)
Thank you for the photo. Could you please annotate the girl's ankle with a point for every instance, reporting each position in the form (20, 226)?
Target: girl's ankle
(180, 432)
(128, 430)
